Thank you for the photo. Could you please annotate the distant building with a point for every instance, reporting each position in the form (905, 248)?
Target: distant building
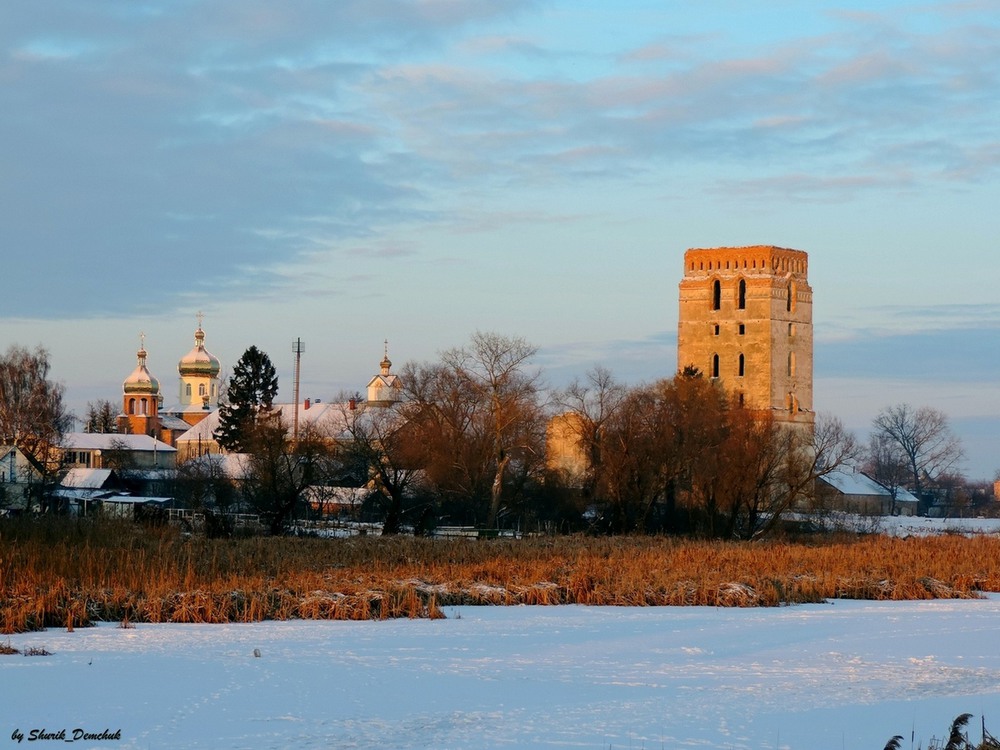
(855, 492)
(96, 450)
(385, 388)
(21, 478)
(140, 399)
(325, 419)
(746, 320)
(564, 448)
(199, 387)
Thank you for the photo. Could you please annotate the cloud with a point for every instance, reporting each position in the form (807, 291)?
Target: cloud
(958, 348)
(208, 147)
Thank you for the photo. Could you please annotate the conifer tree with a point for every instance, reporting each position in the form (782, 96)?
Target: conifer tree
(250, 395)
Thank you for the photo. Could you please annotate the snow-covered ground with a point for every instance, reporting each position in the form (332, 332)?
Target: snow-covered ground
(918, 526)
(817, 677)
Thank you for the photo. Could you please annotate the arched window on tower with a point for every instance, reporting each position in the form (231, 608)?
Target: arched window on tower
(142, 406)
(790, 302)
(131, 406)
(715, 365)
(187, 389)
(201, 389)
(741, 303)
(716, 295)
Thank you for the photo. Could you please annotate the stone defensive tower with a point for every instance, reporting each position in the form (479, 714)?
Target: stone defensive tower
(746, 319)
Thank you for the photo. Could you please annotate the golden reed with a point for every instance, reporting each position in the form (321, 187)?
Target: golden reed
(64, 572)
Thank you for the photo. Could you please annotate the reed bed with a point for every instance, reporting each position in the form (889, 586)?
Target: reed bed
(66, 573)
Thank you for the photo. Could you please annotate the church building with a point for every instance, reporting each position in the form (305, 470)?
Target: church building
(199, 382)
(142, 400)
(385, 388)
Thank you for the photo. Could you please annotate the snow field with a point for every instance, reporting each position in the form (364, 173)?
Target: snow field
(810, 677)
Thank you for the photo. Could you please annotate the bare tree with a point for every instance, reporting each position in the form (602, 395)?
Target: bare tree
(885, 462)
(589, 406)
(383, 445)
(925, 440)
(479, 419)
(278, 470)
(493, 368)
(32, 415)
(786, 467)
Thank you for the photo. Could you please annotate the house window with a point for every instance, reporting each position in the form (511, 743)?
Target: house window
(742, 301)
(715, 365)
(742, 366)
(716, 295)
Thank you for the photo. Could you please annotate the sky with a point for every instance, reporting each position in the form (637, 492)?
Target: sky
(354, 172)
(830, 676)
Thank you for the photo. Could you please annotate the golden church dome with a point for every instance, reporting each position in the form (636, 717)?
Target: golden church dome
(199, 361)
(141, 380)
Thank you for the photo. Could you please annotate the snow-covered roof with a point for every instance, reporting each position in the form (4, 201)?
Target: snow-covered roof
(852, 482)
(133, 500)
(229, 465)
(329, 419)
(350, 496)
(78, 493)
(105, 441)
(93, 479)
(170, 422)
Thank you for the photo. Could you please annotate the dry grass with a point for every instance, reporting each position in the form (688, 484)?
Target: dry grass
(63, 573)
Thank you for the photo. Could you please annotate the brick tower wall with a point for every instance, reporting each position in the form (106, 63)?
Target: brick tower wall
(753, 302)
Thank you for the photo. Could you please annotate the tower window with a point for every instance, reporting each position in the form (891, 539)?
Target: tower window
(790, 302)
(201, 389)
(187, 389)
(742, 301)
(716, 295)
(791, 364)
(715, 365)
(742, 367)
(131, 406)
(742, 329)
(716, 329)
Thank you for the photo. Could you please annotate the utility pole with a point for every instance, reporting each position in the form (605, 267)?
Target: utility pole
(298, 347)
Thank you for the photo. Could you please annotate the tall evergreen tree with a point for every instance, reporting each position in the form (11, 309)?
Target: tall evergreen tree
(251, 393)
(102, 416)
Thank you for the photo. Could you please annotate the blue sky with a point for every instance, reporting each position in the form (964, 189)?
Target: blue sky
(350, 172)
